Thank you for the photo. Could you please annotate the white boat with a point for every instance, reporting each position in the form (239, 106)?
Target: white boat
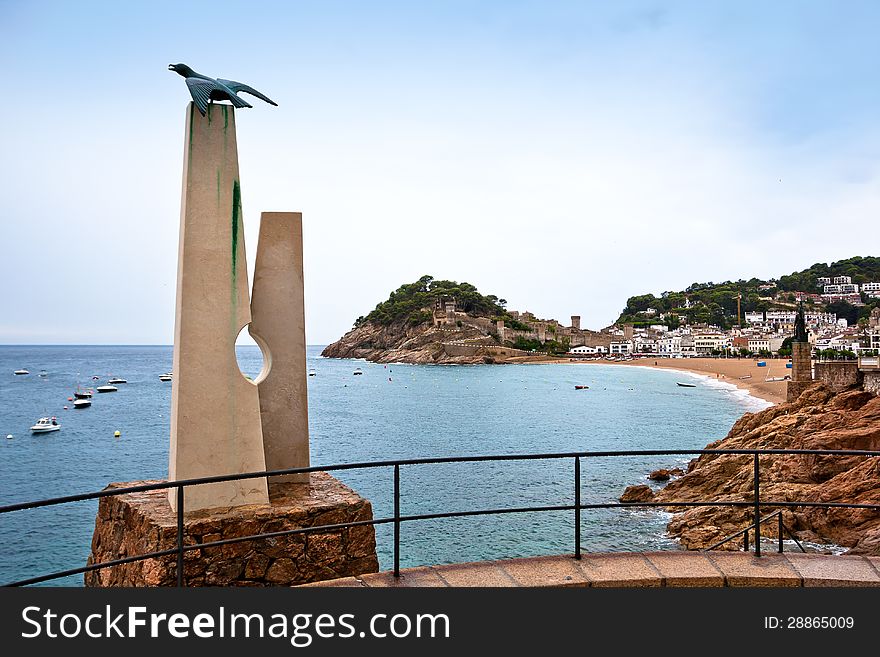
(82, 394)
(44, 373)
(165, 377)
(20, 372)
(312, 373)
(115, 379)
(357, 371)
(82, 403)
(46, 425)
(106, 388)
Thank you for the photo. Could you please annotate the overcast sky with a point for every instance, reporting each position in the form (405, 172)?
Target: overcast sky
(561, 155)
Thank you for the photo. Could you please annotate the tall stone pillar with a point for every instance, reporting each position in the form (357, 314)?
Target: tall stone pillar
(279, 328)
(801, 369)
(215, 410)
(500, 330)
(576, 322)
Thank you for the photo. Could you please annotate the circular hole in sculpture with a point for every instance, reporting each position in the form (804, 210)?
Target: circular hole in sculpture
(252, 356)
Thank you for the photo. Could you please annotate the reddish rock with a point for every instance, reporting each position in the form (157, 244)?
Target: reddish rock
(659, 475)
(818, 419)
(639, 493)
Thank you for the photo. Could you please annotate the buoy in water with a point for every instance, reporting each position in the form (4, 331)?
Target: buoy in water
(116, 434)
(70, 399)
(65, 408)
(8, 436)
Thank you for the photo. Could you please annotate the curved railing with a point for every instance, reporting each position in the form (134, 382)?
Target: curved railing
(397, 519)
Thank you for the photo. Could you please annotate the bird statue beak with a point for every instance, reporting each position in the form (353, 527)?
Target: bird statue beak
(171, 67)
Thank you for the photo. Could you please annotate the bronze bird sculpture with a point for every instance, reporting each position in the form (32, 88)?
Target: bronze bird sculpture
(204, 89)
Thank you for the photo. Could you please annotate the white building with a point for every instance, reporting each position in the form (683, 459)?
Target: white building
(706, 344)
(584, 349)
(756, 317)
(620, 348)
(781, 316)
(871, 287)
(670, 346)
(823, 280)
(759, 344)
(841, 280)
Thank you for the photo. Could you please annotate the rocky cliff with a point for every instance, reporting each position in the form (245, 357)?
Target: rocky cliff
(818, 419)
(401, 342)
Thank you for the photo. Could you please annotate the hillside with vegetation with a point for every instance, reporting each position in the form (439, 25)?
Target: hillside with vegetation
(412, 303)
(401, 328)
(715, 303)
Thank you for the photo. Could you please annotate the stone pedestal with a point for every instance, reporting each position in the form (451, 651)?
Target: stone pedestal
(138, 523)
(801, 370)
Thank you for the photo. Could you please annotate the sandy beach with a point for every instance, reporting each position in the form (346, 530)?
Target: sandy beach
(728, 370)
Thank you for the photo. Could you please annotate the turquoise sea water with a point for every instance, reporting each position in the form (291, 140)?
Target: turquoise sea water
(391, 412)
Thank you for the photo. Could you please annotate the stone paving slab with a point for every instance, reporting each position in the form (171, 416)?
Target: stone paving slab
(683, 569)
(545, 571)
(481, 573)
(649, 569)
(746, 570)
(818, 570)
(342, 582)
(624, 569)
(409, 578)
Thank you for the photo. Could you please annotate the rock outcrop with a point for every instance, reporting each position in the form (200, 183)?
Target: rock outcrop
(818, 419)
(423, 344)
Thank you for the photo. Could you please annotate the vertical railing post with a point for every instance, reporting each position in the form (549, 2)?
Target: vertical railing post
(757, 479)
(779, 530)
(397, 520)
(577, 507)
(180, 536)
(746, 541)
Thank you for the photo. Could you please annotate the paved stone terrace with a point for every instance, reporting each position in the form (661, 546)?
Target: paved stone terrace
(637, 569)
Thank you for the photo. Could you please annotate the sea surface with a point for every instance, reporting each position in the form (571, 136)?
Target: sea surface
(390, 412)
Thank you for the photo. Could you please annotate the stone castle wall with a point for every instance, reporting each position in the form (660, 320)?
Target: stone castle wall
(838, 375)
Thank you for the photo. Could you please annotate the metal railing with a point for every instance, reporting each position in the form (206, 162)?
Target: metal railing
(781, 530)
(577, 507)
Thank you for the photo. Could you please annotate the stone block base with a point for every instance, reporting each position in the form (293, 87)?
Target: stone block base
(138, 523)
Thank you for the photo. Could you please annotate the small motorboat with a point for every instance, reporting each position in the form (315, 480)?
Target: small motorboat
(106, 388)
(746, 376)
(165, 377)
(95, 378)
(582, 387)
(43, 374)
(685, 385)
(82, 394)
(357, 371)
(81, 403)
(312, 373)
(114, 379)
(46, 425)
(21, 372)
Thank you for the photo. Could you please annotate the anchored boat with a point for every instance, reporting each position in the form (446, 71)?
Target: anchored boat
(46, 425)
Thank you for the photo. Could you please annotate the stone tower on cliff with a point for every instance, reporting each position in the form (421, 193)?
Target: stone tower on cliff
(801, 358)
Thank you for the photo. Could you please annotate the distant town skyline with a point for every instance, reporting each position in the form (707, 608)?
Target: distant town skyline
(564, 156)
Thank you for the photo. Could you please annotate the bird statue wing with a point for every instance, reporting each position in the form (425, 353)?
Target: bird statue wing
(238, 86)
(200, 90)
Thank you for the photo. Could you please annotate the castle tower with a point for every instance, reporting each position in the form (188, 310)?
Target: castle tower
(500, 329)
(450, 312)
(627, 331)
(576, 322)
